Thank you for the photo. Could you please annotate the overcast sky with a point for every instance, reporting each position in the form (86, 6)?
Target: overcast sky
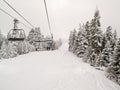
(65, 15)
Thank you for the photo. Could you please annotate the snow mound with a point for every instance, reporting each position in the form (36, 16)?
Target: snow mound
(51, 70)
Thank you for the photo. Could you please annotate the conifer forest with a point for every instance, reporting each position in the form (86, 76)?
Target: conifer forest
(59, 45)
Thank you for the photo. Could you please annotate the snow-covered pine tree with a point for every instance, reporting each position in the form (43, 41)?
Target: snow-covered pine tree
(25, 47)
(100, 61)
(114, 40)
(96, 33)
(9, 50)
(35, 37)
(110, 38)
(108, 43)
(78, 44)
(1, 39)
(72, 40)
(30, 37)
(88, 50)
(81, 42)
(109, 34)
(113, 69)
(94, 39)
(104, 42)
(0, 53)
(75, 41)
(30, 47)
(93, 58)
(88, 34)
(88, 54)
(105, 57)
(115, 35)
(4, 50)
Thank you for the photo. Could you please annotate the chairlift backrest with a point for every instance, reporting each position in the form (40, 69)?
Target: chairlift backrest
(16, 34)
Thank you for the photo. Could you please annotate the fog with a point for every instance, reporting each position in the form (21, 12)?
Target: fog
(65, 15)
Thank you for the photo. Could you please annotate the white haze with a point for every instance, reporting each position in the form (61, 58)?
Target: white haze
(65, 15)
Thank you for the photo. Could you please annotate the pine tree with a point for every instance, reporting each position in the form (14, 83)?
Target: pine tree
(74, 47)
(104, 42)
(88, 33)
(100, 62)
(35, 37)
(88, 54)
(81, 43)
(94, 39)
(30, 37)
(1, 39)
(111, 38)
(93, 58)
(9, 50)
(113, 69)
(109, 34)
(88, 50)
(96, 33)
(114, 41)
(104, 58)
(72, 40)
(25, 47)
(115, 35)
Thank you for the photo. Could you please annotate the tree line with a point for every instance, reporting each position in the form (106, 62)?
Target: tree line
(35, 41)
(101, 50)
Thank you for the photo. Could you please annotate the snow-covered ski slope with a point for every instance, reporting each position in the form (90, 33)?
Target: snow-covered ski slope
(51, 70)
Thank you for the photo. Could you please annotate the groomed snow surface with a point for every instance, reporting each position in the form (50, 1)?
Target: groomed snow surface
(51, 70)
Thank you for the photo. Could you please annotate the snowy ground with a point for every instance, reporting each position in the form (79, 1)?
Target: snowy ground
(51, 70)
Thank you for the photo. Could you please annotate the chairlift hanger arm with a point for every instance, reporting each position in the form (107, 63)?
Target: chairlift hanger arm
(6, 13)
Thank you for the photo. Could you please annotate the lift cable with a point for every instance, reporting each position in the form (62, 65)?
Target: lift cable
(18, 13)
(13, 17)
(6, 13)
(48, 18)
(27, 20)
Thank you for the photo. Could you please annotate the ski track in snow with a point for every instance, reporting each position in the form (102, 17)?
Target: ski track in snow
(51, 70)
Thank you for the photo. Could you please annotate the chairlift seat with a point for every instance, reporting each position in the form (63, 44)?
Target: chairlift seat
(16, 35)
(16, 39)
(44, 41)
